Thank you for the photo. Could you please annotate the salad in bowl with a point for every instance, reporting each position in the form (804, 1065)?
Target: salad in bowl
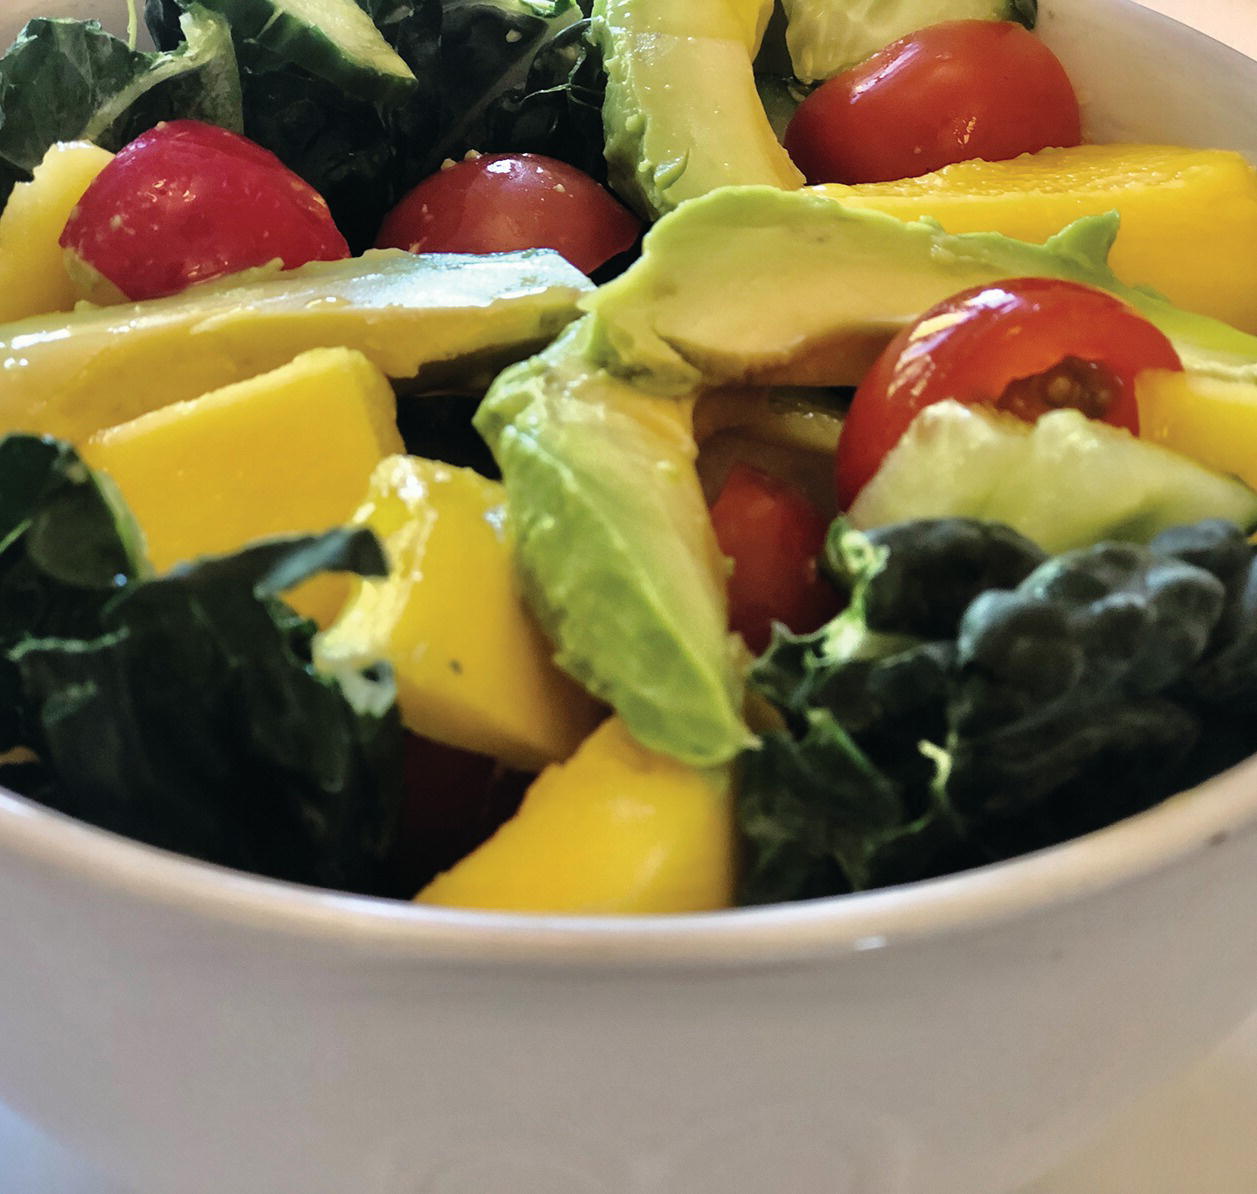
(622, 638)
(535, 463)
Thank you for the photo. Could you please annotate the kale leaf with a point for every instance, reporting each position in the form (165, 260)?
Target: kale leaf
(185, 710)
(66, 80)
(360, 156)
(520, 75)
(975, 700)
(67, 546)
(493, 75)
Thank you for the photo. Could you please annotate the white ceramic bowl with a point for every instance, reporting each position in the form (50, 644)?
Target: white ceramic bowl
(194, 1030)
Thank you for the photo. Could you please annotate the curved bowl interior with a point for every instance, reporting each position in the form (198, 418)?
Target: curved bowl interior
(196, 1029)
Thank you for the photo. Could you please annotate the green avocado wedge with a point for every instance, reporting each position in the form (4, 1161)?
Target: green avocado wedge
(756, 285)
(682, 115)
(615, 546)
(436, 320)
(750, 285)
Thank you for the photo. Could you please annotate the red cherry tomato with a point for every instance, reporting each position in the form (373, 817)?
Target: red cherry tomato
(500, 201)
(453, 801)
(196, 133)
(957, 90)
(187, 202)
(773, 535)
(1027, 346)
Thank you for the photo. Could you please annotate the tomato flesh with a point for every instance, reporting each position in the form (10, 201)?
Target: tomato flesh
(498, 202)
(187, 202)
(949, 92)
(773, 535)
(1026, 345)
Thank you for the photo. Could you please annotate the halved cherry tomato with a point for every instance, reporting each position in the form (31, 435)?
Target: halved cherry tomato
(187, 202)
(501, 201)
(773, 535)
(1026, 345)
(952, 91)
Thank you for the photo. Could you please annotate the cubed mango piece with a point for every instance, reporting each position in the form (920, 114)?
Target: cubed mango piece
(472, 668)
(618, 829)
(1188, 216)
(1212, 420)
(33, 277)
(288, 451)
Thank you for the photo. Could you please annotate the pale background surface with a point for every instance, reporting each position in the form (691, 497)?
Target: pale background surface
(1194, 1136)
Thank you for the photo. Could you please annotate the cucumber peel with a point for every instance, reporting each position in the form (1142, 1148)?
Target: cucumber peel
(1064, 482)
(332, 39)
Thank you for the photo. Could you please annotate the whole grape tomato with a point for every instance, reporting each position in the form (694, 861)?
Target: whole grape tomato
(498, 202)
(949, 92)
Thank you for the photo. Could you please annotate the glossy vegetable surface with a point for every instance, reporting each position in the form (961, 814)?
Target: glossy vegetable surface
(497, 202)
(188, 202)
(773, 535)
(952, 91)
(1026, 346)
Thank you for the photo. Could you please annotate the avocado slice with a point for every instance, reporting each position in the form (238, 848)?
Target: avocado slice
(615, 545)
(762, 286)
(682, 115)
(825, 38)
(744, 285)
(441, 319)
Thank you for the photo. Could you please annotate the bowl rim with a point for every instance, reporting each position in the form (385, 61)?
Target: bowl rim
(1132, 850)
(59, 848)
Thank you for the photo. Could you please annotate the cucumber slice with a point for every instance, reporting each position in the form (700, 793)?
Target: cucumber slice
(206, 56)
(333, 39)
(825, 38)
(1065, 481)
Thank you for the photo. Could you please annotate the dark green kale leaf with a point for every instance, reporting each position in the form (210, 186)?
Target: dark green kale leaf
(198, 722)
(1026, 11)
(1030, 703)
(925, 573)
(65, 80)
(492, 75)
(67, 546)
(1060, 693)
(521, 76)
(185, 710)
(360, 156)
(1225, 680)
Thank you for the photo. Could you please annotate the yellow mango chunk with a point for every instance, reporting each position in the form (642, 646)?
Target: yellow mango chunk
(33, 278)
(1209, 419)
(618, 829)
(1188, 216)
(472, 668)
(287, 451)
